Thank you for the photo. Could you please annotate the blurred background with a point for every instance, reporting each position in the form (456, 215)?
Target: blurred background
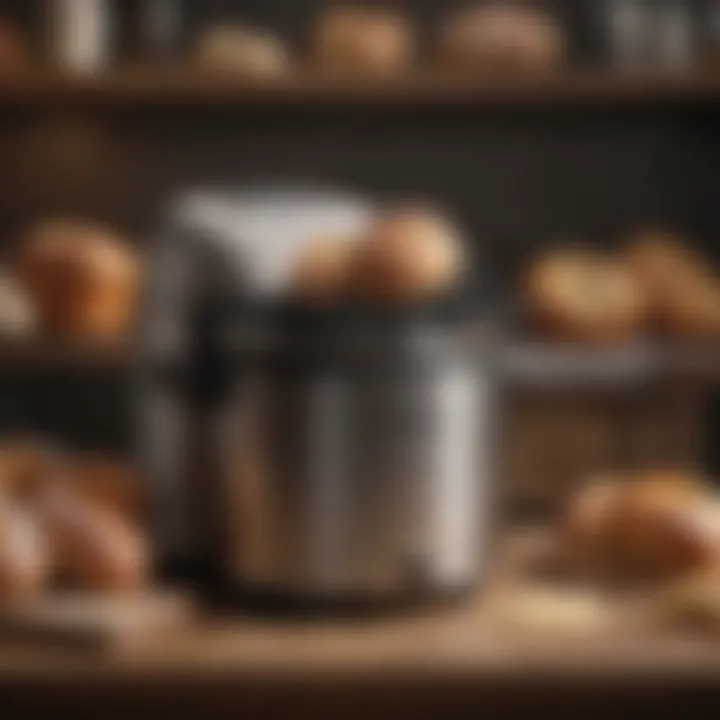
(564, 138)
(590, 157)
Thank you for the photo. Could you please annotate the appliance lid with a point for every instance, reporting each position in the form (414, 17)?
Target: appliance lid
(259, 231)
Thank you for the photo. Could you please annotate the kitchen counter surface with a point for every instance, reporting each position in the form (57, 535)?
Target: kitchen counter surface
(466, 653)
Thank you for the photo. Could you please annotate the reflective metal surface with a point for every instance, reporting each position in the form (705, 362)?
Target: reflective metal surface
(361, 480)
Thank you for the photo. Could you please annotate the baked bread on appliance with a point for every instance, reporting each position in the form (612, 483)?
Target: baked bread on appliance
(323, 270)
(410, 253)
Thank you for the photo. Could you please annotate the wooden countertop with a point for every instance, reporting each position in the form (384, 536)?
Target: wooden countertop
(462, 645)
(470, 641)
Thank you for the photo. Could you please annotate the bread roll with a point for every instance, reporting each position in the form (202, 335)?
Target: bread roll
(25, 556)
(694, 312)
(683, 289)
(83, 278)
(14, 51)
(363, 41)
(94, 548)
(502, 38)
(667, 486)
(110, 485)
(669, 525)
(27, 467)
(661, 258)
(692, 603)
(323, 270)
(588, 531)
(241, 50)
(645, 526)
(18, 315)
(584, 296)
(408, 255)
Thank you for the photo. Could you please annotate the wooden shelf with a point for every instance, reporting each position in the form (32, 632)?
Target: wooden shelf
(539, 364)
(543, 365)
(43, 355)
(143, 88)
(523, 363)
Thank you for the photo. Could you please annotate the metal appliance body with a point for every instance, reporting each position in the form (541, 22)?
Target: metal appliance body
(314, 458)
(357, 467)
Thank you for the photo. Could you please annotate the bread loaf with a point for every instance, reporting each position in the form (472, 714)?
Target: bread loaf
(367, 41)
(110, 485)
(684, 289)
(25, 554)
(27, 467)
(95, 549)
(241, 50)
(651, 526)
(502, 38)
(323, 270)
(14, 51)
(584, 296)
(18, 314)
(83, 278)
(409, 254)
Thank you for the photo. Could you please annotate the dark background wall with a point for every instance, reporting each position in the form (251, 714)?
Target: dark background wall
(518, 178)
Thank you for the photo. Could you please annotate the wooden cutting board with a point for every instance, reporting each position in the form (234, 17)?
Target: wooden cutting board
(94, 622)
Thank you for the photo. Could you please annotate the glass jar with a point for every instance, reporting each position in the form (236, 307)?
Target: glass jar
(651, 36)
(159, 29)
(674, 35)
(711, 40)
(627, 30)
(79, 35)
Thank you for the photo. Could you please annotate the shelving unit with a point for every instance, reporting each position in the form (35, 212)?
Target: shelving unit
(153, 87)
(529, 363)
(523, 363)
(581, 154)
(41, 355)
(521, 162)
